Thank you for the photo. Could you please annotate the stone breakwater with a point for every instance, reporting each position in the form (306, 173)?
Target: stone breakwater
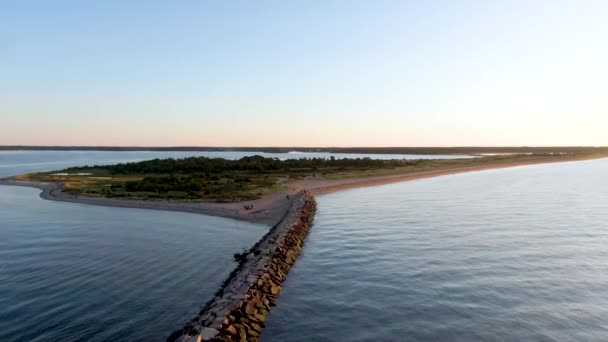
(238, 310)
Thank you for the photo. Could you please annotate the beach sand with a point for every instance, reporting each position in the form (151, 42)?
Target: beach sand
(269, 209)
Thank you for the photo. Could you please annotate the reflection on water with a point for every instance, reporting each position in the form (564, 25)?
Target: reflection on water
(71, 272)
(502, 255)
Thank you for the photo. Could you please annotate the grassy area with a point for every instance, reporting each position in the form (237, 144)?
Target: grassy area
(220, 180)
(217, 188)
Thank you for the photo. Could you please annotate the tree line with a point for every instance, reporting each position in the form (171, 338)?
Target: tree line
(258, 164)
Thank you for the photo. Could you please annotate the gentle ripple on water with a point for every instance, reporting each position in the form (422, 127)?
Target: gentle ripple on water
(71, 272)
(501, 255)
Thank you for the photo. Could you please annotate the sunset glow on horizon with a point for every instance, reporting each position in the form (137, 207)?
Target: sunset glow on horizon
(321, 73)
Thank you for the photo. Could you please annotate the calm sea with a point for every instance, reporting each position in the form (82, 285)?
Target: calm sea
(71, 272)
(516, 254)
(500, 255)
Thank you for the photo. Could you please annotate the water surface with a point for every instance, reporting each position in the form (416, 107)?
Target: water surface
(72, 272)
(517, 254)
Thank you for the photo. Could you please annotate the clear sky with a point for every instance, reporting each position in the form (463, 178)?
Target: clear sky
(304, 73)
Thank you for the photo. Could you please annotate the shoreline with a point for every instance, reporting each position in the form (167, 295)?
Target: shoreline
(269, 209)
(239, 308)
(333, 186)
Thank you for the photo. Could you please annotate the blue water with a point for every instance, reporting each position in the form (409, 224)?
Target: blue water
(18, 162)
(500, 255)
(72, 272)
(517, 254)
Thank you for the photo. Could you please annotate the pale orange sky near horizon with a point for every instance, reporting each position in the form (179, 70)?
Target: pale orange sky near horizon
(475, 73)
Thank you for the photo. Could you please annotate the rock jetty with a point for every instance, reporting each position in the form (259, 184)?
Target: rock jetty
(238, 310)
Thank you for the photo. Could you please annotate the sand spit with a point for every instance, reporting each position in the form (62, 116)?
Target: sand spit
(266, 210)
(319, 187)
(238, 310)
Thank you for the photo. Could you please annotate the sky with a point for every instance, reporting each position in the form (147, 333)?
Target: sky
(304, 73)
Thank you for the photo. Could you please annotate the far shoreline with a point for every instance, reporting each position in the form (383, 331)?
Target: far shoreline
(268, 209)
(411, 150)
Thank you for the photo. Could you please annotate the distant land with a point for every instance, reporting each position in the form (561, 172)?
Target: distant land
(257, 188)
(272, 191)
(373, 150)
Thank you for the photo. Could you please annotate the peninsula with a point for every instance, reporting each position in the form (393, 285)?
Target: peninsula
(255, 188)
(258, 189)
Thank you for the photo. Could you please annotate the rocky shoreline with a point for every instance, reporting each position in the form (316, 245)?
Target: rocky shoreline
(238, 310)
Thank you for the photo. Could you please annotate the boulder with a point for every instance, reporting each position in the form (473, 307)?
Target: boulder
(208, 333)
(275, 289)
(231, 330)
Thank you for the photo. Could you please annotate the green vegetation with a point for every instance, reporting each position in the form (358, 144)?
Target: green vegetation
(201, 178)
(222, 180)
(256, 164)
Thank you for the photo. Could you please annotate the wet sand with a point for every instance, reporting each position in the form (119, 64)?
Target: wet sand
(266, 210)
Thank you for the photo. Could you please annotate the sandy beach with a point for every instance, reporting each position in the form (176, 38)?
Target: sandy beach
(266, 210)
